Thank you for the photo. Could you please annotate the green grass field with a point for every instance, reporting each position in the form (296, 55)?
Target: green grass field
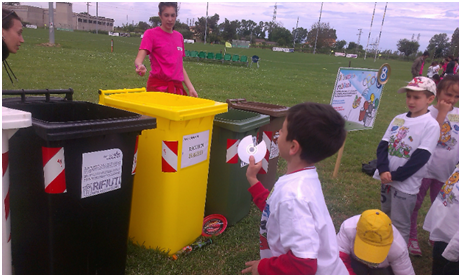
(84, 62)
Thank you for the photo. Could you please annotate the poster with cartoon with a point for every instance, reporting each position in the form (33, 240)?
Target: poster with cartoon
(357, 94)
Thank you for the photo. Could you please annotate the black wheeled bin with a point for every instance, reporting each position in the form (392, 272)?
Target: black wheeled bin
(269, 133)
(227, 190)
(71, 180)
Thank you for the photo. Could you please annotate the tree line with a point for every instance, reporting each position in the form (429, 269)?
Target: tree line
(320, 35)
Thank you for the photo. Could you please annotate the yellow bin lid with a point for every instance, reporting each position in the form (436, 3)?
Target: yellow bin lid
(170, 106)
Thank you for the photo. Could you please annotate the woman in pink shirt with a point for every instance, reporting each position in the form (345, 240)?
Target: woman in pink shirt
(165, 48)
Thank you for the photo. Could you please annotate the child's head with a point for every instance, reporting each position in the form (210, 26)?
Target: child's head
(420, 94)
(434, 63)
(448, 89)
(436, 78)
(374, 237)
(318, 128)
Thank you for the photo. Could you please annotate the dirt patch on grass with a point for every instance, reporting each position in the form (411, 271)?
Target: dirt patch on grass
(50, 44)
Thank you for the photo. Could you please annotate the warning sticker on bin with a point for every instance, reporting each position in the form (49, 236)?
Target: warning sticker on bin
(195, 148)
(101, 172)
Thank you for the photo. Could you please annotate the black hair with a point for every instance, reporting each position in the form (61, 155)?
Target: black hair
(447, 81)
(7, 18)
(426, 53)
(318, 128)
(163, 5)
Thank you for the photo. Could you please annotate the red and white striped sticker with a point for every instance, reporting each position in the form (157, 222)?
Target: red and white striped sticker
(267, 138)
(169, 156)
(135, 157)
(54, 169)
(6, 196)
(232, 151)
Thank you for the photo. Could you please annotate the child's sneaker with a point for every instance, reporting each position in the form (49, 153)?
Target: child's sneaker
(430, 242)
(413, 248)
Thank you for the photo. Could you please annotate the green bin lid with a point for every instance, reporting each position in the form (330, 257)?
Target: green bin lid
(240, 121)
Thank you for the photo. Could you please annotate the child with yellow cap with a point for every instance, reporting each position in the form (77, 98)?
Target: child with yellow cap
(370, 245)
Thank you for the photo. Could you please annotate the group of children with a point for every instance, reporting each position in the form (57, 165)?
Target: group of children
(449, 65)
(419, 151)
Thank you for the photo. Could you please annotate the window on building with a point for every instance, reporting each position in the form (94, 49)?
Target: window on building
(79, 20)
(84, 21)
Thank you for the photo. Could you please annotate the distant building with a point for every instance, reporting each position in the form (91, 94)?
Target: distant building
(259, 41)
(64, 18)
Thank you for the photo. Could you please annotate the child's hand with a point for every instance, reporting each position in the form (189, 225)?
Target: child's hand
(386, 177)
(252, 170)
(253, 265)
(141, 70)
(444, 106)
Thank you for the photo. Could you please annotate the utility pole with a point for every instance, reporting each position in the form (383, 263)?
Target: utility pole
(295, 32)
(206, 22)
(318, 28)
(369, 34)
(88, 15)
(97, 18)
(358, 41)
(379, 38)
(51, 18)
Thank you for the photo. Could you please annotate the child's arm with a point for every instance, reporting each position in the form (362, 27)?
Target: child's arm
(257, 190)
(383, 162)
(417, 160)
(443, 108)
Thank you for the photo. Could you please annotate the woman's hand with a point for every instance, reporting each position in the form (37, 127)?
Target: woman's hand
(141, 70)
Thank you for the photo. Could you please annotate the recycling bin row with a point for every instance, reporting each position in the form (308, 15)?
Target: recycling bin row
(85, 177)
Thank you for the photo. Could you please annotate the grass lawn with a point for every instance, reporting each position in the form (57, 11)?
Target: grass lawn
(84, 62)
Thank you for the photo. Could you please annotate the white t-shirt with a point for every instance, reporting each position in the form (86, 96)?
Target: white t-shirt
(432, 70)
(405, 135)
(446, 154)
(296, 218)
(442, 219)
(397, 257)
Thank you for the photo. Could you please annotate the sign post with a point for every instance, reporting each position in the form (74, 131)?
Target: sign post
(356, 96)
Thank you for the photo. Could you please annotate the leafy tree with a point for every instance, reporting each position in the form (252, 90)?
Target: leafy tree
(260, 30)
(439, 46)
(454, 46)
(246, 28)
(183, 29)
(339, 45)
(281, 35)
(326, 35)
(407, 47)
(155, 21)
(229, 29)
(143, 25)
(299, 35)
(212, 25)
(352, 46)
(11, 3)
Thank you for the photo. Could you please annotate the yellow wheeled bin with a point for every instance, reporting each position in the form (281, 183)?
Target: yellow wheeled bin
(169, 188)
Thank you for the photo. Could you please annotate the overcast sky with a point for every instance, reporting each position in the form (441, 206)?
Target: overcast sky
(401, 19)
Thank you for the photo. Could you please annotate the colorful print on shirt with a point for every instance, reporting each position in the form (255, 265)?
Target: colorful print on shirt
(446, 140)
(446, 193)
(397, 145)
(263, 244)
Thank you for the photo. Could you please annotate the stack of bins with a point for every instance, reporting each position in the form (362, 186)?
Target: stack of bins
(71, 185)
(269, 133)
(12, 120)
(171, 179)
(227, 192)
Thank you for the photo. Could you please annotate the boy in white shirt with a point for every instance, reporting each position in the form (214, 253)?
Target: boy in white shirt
(297, 235)
(404, 150)
(370, 245)
(442, 221)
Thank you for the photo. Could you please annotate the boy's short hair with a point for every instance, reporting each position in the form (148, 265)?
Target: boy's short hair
(318, 128)
(447, 81)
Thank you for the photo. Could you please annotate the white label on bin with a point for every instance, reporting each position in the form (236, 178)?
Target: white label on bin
(195, 148)
(274, 148)
(101, 172)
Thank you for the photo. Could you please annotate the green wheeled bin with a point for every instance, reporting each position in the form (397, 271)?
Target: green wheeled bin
(227, 191)
(269, 133)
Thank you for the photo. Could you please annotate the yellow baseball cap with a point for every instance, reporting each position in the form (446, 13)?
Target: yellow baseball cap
(374, 236)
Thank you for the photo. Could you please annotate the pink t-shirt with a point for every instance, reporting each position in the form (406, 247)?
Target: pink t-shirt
(166, 52)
